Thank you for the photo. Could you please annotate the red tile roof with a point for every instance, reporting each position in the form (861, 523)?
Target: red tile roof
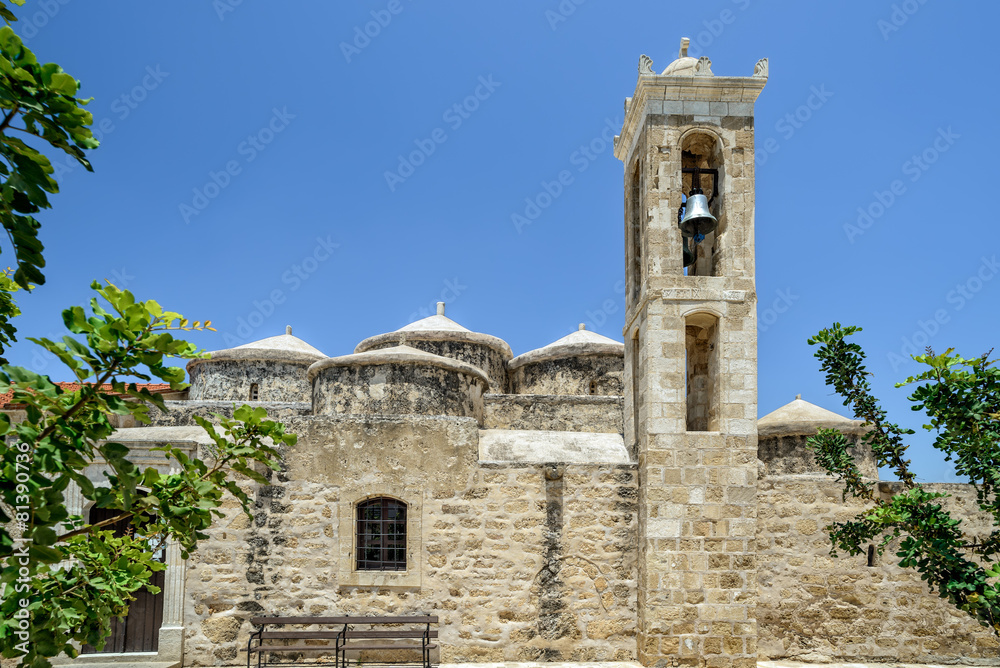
(5, 397)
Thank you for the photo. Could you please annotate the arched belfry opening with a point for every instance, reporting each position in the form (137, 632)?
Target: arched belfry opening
(703, 171)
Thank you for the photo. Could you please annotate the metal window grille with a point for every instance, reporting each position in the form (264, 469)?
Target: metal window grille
(381, 535)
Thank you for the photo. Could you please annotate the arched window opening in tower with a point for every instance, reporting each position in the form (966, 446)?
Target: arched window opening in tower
(381, 535)
(254, 392)
(701, 343)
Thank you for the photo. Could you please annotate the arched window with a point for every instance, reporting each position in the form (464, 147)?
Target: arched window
(381, 535)
(254, 392)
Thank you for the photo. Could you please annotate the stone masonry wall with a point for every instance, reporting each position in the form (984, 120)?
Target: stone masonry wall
(813, 607)
(533, 562)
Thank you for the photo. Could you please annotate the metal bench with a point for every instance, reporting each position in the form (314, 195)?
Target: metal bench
(271, 642)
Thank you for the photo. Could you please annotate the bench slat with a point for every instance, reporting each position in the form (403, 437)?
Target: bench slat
(326, 648)
(271, 635)
(421, 619)
(293, 648)
(390, 634)
(348, 648)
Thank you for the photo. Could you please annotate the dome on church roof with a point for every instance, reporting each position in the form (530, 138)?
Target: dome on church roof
(579, 343)
(401, 354)
(284, 347)
(437, 327)
(802, 417)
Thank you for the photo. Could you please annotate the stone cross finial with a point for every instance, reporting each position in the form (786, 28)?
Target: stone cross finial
(440, 308)
(685, 43)
(583, 326)
(288, 329)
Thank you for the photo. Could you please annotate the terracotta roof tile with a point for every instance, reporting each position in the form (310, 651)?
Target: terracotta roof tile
(73, 387)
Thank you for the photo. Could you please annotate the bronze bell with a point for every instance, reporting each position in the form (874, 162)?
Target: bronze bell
(697, 217)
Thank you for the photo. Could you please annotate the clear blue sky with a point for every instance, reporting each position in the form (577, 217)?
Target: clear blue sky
(308, 127)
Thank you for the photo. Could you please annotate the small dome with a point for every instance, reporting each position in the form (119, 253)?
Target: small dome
(802, 417)
(272, 369)
(284, 347)
(441, 335)
(682, 67)
(397, 381)
(580, 363)
(579, 343)
(397, 355)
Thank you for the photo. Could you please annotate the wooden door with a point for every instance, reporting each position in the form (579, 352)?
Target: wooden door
(139, 631)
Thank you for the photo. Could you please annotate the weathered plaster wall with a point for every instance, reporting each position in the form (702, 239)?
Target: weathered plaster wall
(181, 413)
(230, 380)
(587, 374)
(813, 607)
(492, 361)
(397, 389)
(520, 562)
(598, 414)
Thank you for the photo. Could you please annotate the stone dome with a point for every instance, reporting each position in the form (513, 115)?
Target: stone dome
(782, 436)
(583, 362)
(398, 380)
(681, 67)
(272, 369)
(440, 335)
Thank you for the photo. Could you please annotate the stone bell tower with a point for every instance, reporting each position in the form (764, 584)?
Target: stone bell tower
(691, 358)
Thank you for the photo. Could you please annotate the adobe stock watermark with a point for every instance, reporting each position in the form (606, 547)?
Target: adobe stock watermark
(19, 558)
(562, 12)
(455, 116)
(898, 17)
(783, 301)
(255, 144)
(550, 191)
(792, 122)
(914, 168)
(223, 7)
(958, 298)
(452, 290)
(363, 35)
(122, 106)
(28, 26)
(294, 278)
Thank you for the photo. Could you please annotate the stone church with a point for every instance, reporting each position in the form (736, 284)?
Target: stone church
(591, 500)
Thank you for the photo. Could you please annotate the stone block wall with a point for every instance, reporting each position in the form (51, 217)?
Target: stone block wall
(813, 607)
(520, 562)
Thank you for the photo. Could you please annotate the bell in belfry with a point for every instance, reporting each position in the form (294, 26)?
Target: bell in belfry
(697, 218)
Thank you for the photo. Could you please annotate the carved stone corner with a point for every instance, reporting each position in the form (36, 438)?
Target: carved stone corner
(645, 65)
(760, 69)
(703, 68)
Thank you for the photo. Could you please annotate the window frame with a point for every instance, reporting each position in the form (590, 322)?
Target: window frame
(377, 542)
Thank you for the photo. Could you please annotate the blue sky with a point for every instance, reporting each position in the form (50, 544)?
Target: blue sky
(242, 175)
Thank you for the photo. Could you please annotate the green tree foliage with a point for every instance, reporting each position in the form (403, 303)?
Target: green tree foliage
(961, 399)
(66, 431)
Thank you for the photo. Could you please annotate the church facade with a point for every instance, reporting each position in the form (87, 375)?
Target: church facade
(592, 500)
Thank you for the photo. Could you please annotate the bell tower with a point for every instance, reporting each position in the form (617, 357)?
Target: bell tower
(691, 358)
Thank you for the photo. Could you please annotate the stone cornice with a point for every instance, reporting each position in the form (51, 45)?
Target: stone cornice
(681, 95)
